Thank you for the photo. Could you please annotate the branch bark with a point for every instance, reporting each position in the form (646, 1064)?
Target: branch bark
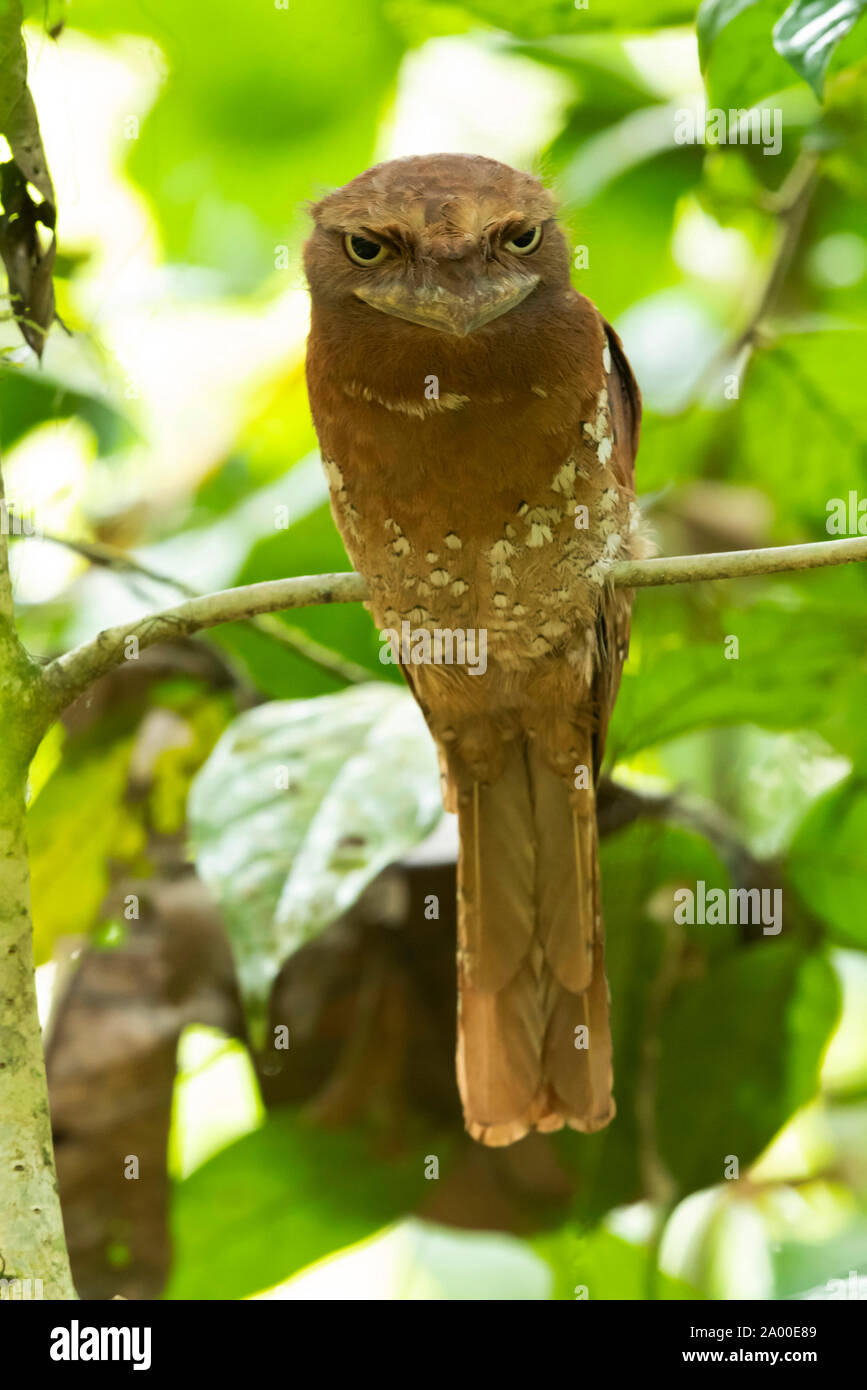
(738, 564)
(70, 675)
(110, 557)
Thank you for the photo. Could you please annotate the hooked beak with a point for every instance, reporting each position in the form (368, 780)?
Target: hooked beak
(432, 306)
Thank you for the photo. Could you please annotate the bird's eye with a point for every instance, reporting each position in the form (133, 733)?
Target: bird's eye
(525, 242)
(364, 250)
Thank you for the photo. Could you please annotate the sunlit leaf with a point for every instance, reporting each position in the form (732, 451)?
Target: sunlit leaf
(299, 807)
(809, 31)
(281, 1198)
(738, 58)
(601, 1265)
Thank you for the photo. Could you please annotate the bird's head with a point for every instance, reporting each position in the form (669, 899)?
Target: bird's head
(447, 242)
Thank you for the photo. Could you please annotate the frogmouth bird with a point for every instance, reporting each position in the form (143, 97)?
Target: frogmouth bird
(478, 423)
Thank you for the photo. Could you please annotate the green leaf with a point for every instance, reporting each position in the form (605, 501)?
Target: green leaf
(806, 394)
(803, 1267)
(810, 30)
(740, 1051)
(713, 16)
(738, 58)
(28, 399)
(310, 545)
(828, 861)
(73, 827)
(604, 1266)
(641, 866)
(299, 807)
(790, 658)
(279, 1199)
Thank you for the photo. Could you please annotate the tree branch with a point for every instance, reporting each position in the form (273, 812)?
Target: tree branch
(737, 564)
(293, 639)
(71, 674)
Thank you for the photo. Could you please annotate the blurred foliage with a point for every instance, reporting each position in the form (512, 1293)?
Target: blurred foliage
(174, 425)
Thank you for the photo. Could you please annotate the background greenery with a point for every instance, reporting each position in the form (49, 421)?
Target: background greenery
(184, 142)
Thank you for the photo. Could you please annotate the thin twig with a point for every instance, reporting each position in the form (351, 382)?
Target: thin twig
(112, 558)
(67, 677)
(790, 206)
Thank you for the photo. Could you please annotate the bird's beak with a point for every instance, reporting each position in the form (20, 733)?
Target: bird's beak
(432, 306)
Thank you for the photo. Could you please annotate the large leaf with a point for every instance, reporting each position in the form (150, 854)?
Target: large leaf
(641, 866)
(828, 862)
(712, 18)
(803, 400)
(790, 659)
(28, 399)
(281, 1198)
(298, 808)
(810, 30)
(74, 828)
(740, 1051)
(737, 54)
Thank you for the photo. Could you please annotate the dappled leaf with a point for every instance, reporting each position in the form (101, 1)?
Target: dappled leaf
(300, 805)
(809, 31)
(738, 58)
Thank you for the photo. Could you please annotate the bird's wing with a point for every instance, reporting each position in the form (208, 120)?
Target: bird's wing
(613, 624)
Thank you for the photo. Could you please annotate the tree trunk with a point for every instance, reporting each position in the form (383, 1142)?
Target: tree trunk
(32, 1244)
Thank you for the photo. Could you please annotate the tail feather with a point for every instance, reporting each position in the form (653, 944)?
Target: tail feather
(534, 1046)
(497, 875)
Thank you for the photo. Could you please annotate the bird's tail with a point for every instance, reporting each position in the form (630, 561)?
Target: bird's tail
(534, 1045)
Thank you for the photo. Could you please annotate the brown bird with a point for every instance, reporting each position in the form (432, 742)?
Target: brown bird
(479, 422)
